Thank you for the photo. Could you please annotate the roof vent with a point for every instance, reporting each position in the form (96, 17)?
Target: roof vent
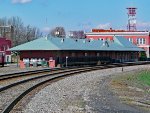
(84, 41)
(62, 40)
(76, 40)
(105, 43)
(88, 40)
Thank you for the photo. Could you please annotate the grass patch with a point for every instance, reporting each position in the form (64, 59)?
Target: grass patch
(133, 87)
(137, 79)
(144, 77)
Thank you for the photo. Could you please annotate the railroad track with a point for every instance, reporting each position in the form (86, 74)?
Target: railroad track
(27, 73)
(6, 84)
(12, 93)
(12, 79)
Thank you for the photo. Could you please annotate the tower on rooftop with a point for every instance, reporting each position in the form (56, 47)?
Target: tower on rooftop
(131, 18)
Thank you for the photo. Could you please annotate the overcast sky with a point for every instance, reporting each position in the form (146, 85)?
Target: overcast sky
(76, 14)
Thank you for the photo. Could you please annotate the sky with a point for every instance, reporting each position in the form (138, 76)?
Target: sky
(76, 14)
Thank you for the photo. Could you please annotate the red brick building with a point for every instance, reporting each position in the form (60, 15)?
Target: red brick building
(139, 38)
(5, 44)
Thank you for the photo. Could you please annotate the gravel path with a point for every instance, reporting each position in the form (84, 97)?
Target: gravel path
(83, 93)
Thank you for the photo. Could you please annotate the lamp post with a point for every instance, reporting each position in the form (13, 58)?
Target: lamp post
(66, 61)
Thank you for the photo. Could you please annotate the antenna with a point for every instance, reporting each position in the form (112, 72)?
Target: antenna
(131, 18)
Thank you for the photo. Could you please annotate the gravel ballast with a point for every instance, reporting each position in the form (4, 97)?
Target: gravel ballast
(83, 93)
(12, 68)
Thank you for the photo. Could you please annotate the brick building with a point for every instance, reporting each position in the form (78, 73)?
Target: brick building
(5, 44)
(139, 38)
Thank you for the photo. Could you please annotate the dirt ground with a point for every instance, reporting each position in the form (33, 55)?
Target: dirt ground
(130, 91)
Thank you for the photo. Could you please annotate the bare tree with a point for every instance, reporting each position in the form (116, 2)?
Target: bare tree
(58, 32)
(76, 34)
(3, 21)
(38, 33)
(19, 32)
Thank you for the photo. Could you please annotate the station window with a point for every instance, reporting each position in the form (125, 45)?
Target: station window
(7, 58)
(144, 41)
(131, 39)
(141, 40)
(85, 54)
(98, 54)
(73, 55)
(137, 40)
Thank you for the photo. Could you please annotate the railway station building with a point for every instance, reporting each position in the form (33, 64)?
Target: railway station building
(139, 38)
(78, 51)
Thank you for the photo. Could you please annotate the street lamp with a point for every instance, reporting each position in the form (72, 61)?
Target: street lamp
(66, 60)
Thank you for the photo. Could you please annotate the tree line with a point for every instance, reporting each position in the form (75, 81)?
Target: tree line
(19, 33)
(14, 29)
(61, 33)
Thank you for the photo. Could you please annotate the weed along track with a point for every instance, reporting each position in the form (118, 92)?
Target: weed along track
(133, 87)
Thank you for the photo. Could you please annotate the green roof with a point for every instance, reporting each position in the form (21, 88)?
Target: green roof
(53, 43)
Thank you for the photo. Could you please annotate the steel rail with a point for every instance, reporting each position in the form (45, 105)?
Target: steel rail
(15, 101)
(25, 73)
(38, 77)
(64, 75)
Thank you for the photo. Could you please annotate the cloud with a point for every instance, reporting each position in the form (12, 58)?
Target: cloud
(143, 25)
(104, 26)
(21, 1)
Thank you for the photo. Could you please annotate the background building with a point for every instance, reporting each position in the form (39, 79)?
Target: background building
(6, 31)
(77, 34)
(5, 45)
(139, 38)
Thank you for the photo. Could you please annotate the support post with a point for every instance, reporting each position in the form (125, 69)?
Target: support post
(17, 58)
(66, 61)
